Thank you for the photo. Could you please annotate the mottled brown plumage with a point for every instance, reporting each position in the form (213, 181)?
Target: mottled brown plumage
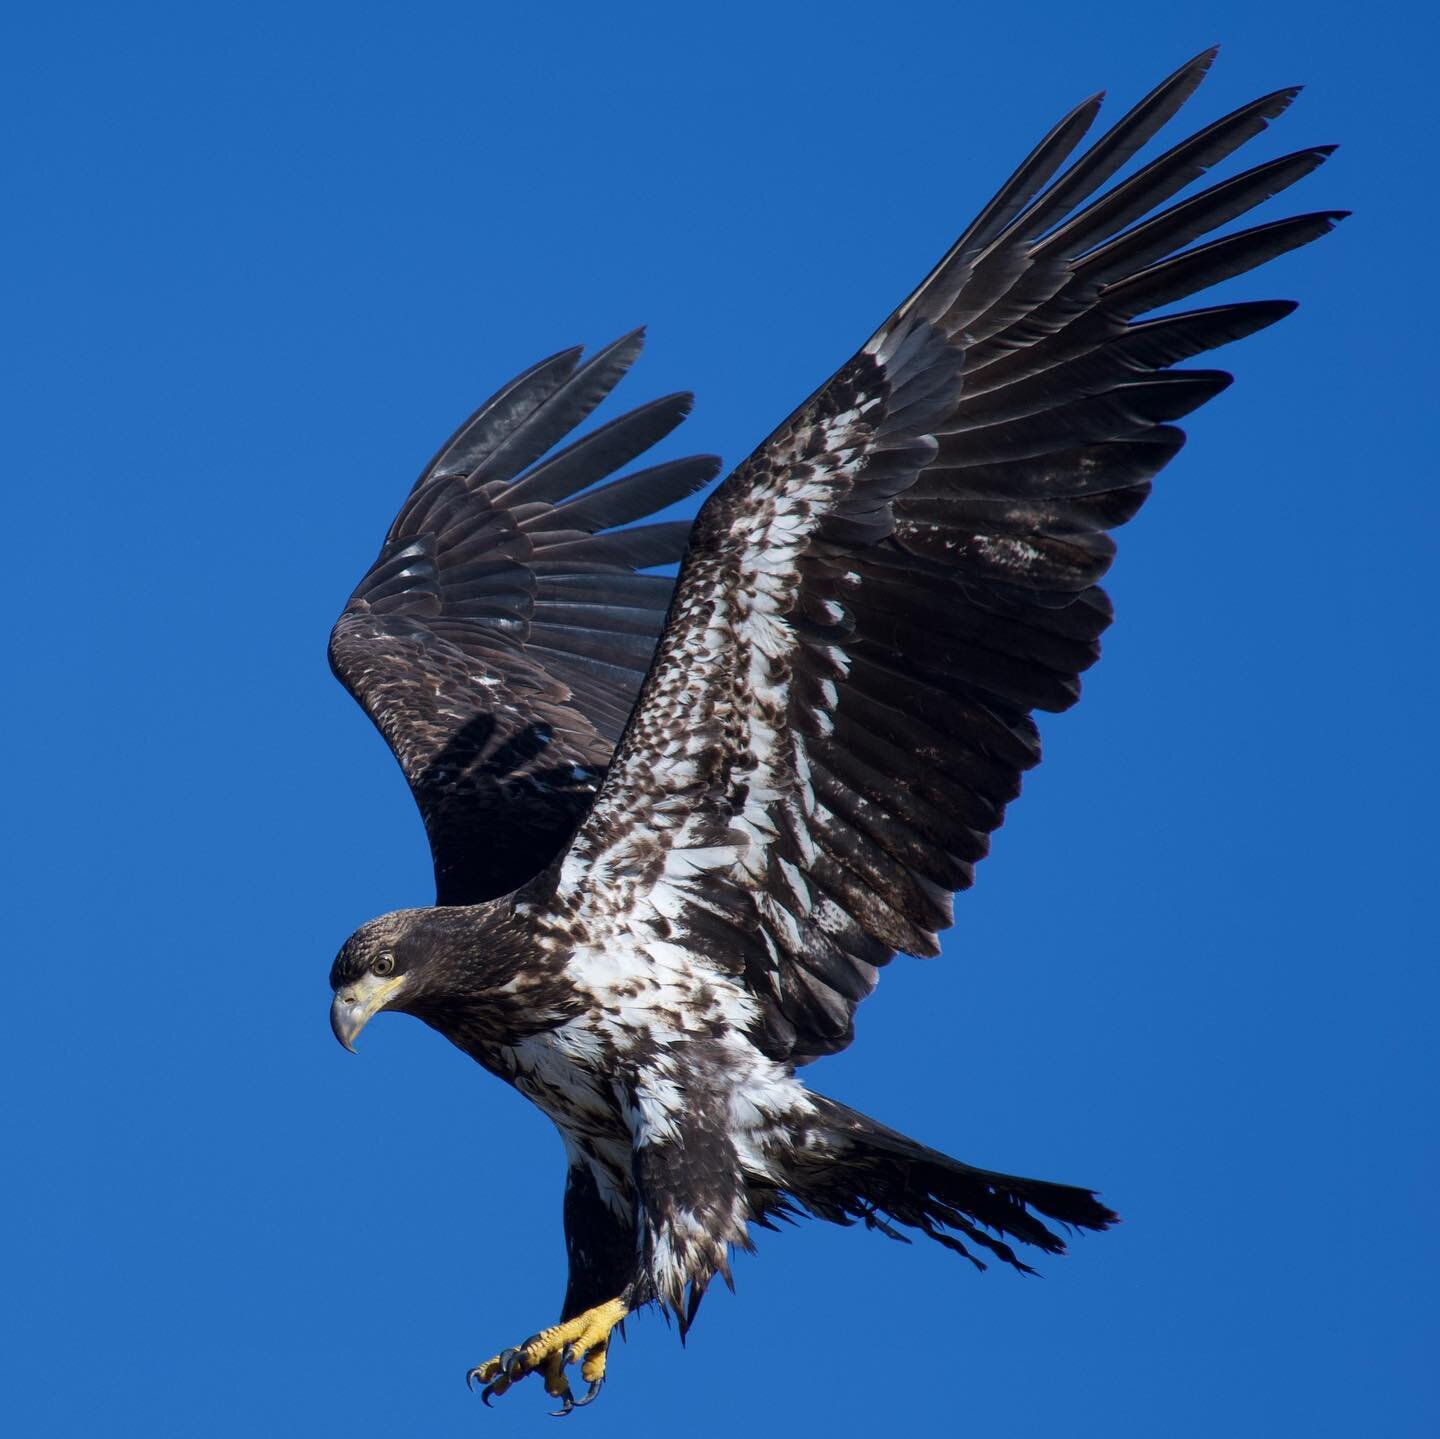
(499, 639)
(870, 610)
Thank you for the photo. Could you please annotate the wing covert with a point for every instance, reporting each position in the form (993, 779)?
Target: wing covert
(499, 639)
(877, 600)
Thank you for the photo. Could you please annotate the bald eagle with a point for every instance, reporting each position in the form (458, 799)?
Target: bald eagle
(679, 827)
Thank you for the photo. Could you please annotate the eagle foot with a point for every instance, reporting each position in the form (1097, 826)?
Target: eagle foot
(584, 1339)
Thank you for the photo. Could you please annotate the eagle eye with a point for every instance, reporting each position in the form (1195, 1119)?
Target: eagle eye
(383, 965)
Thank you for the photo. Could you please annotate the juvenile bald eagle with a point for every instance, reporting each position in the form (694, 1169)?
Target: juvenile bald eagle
(678, 830)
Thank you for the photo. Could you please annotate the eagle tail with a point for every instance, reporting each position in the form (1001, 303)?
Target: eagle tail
(878, 1176)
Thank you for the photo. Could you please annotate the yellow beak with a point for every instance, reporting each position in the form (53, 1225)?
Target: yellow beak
(355, 1004)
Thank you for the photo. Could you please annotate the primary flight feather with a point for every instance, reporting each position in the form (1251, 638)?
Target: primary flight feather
(677, 830)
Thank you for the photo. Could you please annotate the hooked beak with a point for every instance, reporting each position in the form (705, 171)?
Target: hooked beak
(353, 1006)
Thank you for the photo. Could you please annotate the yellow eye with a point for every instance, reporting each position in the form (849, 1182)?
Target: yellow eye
(383, 965)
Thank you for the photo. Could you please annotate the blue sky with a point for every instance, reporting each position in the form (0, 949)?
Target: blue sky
(258, 261)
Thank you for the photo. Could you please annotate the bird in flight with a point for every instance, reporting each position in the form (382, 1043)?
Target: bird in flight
(678, 826)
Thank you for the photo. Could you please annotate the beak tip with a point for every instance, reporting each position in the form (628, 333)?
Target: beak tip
(354, 1006)
(344, 1025)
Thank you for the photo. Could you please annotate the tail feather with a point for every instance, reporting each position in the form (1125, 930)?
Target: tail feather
(878, 1176)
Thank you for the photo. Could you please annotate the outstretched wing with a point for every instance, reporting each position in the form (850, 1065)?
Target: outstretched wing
(499, 639)
(876, 601)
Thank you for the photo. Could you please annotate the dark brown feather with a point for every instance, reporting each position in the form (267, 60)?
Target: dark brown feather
(500, 638)
(943, 508)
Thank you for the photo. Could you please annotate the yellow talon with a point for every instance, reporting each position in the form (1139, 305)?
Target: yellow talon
(592, 1371)
(585, 1338)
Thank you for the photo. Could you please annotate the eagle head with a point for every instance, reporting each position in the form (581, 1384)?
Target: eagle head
(378, 967)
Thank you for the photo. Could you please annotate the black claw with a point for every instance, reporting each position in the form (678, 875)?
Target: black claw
(486, 1394)
(566, 1398)
(568, 1356)
(591, 1394)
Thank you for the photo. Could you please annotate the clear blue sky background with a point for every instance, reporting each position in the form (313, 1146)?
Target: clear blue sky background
(257, 261)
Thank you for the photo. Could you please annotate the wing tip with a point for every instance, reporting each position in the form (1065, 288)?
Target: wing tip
(633, 340)
(1189, 75)
(683, 400)
(569, 355)
(1197, 65)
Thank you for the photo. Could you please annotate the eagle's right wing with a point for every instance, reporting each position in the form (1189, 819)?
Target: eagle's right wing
(875, 603)
(499, 639)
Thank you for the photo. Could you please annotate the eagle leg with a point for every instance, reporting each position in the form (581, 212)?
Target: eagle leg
(585, 1339)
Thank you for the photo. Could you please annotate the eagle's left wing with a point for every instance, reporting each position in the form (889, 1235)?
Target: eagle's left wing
(499, 639)
(874, 603)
